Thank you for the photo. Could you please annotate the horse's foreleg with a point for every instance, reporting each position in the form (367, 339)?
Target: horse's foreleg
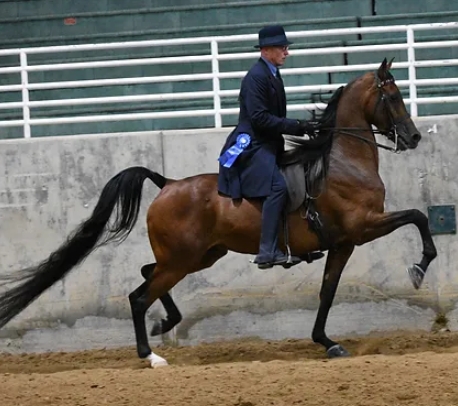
(379, 225)
(335, 263)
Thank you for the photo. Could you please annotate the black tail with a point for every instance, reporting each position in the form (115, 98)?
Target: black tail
(124, 192)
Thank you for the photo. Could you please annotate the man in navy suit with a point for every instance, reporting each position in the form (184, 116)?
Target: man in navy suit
(249, 159)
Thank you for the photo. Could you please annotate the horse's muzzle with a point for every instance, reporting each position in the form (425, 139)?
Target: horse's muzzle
(414, 140)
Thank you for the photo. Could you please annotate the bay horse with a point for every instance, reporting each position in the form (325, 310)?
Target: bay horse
(191, 226)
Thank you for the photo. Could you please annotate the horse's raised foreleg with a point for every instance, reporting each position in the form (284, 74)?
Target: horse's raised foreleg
(381, 224)
(140, 301)
(335, 263)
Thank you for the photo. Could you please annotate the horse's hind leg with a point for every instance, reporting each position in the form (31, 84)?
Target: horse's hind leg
(173, 314)
(156, 286)
(385, 223)
(138, 306)
(335, 263)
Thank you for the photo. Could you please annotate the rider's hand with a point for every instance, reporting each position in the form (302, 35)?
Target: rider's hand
(306, 128)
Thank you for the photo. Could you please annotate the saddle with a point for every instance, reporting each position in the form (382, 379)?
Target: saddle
(295, 176)
(295, 181)
(295, 173)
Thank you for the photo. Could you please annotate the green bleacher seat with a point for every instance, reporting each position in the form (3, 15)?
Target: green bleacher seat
(92, 21)
(389, 7)
(412, 18)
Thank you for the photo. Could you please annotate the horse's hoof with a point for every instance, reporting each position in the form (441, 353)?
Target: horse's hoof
(157, 328)
(157, 361)
(416, 275)
(337, 351)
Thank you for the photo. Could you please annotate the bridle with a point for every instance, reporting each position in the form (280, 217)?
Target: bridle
(392, 133)
(385, 102)
(387, 105)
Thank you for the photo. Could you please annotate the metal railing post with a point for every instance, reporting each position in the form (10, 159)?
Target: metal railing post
(412, 72)
(25, 94)
(216, 86)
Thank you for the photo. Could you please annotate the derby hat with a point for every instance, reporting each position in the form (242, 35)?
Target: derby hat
(272, 36)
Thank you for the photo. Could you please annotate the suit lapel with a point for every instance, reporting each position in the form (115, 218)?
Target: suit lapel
(277, 84)
(281, 94)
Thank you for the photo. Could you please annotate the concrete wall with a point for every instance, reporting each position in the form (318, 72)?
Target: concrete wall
(48, 186)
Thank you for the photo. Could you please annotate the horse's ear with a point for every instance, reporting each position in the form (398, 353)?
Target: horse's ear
(388, 67)
(382, 69)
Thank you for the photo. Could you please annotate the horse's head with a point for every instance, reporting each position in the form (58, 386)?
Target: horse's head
(387, 111)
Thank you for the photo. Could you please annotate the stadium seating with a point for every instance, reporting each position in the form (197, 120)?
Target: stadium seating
(45, 22)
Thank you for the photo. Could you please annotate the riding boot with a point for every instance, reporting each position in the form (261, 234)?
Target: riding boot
(269, 254)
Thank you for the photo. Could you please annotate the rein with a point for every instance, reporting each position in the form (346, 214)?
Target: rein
(346, 131)
(393, 129)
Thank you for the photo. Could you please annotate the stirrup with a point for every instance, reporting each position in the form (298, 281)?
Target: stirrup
(288, 253)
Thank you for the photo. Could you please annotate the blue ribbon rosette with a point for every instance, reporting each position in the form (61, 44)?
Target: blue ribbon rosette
(231, 154)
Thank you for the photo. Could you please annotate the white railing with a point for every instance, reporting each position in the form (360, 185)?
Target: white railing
(215, 75)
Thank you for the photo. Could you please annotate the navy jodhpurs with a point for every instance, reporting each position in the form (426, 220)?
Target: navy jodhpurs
(272, 209)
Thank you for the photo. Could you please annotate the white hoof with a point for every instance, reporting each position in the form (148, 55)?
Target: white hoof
(156, 361)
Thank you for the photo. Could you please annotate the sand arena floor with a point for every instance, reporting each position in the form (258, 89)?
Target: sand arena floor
(392, 369)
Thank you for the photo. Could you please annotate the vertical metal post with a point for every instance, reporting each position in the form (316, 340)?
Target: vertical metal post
(25, 94)
(216, 87)
(412, 72)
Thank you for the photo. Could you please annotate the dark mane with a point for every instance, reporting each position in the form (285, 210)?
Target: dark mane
(314, 153)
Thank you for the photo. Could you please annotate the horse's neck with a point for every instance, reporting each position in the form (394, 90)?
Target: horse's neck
(350, 155)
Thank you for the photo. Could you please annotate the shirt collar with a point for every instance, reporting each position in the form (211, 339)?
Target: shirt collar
(271, 66)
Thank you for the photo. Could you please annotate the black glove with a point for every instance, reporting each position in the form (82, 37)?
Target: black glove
(306, 127)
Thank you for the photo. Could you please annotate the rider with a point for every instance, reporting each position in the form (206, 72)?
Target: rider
(249, 159)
